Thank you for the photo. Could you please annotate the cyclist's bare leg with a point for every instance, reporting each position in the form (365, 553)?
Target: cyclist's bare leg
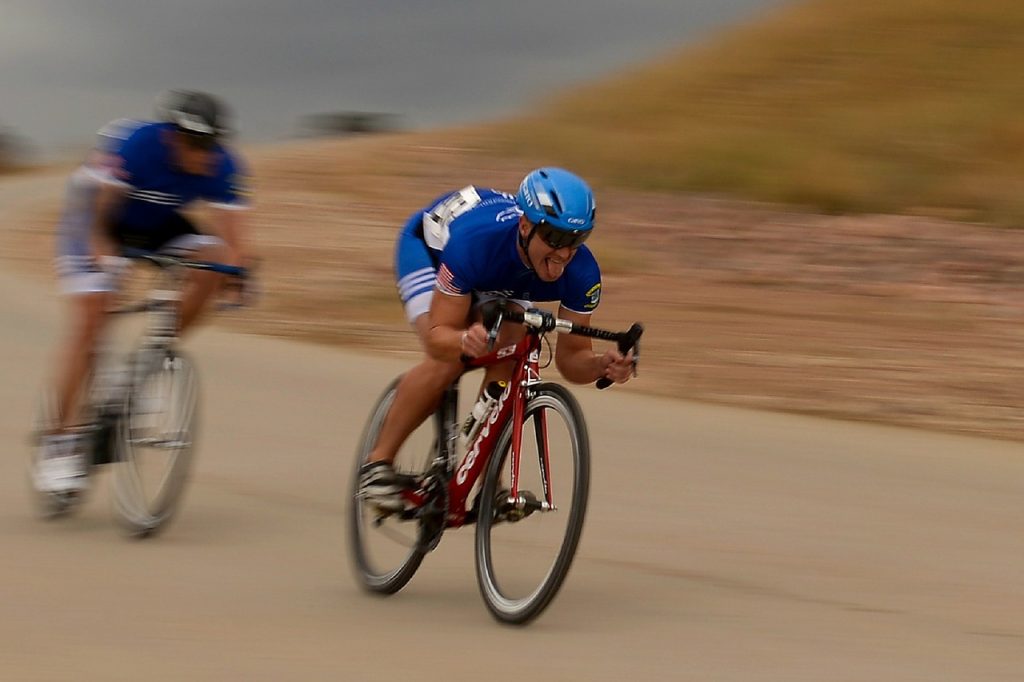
(88, 317)
(201, 285)
(421, 388)
(416, 399)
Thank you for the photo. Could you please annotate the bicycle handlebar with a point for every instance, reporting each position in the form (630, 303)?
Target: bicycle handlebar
(543, 321)
(164, 260)
(627, 341)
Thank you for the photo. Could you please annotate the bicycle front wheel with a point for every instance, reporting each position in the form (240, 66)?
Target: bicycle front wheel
(154, 441)
(387, 549)
(524, 552)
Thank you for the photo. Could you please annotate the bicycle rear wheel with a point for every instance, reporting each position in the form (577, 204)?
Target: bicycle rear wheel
(154, 441)
(387, 550)
(523, 555)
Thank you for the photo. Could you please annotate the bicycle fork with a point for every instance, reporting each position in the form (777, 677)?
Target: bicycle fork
(520, 504)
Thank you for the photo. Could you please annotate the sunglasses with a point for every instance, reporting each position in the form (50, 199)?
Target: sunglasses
(560, 239)
(199, 140)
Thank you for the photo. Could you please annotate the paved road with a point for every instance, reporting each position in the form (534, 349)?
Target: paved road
(721, 544)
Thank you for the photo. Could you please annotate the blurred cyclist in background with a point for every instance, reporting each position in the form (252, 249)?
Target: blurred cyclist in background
(130, 192)
(476, 244)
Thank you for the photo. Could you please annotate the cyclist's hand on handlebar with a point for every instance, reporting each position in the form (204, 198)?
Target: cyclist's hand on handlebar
(241, 292)
(247, 289)
(473, 341)
(617, 368)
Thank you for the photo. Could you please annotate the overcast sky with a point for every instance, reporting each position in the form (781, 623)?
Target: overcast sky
(68, 66)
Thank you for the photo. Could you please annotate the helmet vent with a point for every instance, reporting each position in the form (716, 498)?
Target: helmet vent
(548, 203)
(557, 205)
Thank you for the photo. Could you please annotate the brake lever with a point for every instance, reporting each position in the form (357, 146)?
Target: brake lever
(628, 341)
(492, 333)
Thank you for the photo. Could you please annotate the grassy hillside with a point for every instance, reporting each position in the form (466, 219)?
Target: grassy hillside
(877, 105)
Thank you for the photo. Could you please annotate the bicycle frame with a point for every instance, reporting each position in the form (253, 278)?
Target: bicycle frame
(511, 405)
(161, 304)
(444, 489)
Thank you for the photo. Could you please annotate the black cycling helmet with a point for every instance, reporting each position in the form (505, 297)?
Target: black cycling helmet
(197, 114)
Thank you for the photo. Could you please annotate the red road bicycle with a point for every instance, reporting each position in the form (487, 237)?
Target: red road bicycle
(520, 564)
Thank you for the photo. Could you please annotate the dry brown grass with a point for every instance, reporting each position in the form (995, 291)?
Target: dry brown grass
(909, 106)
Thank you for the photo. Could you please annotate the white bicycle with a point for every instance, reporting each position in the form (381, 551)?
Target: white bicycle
(139, 412)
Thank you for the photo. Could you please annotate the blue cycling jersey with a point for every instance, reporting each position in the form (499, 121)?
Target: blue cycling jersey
(472, 235)
(156, 187)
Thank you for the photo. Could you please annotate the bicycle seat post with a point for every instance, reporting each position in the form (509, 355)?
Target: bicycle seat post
(166, 297)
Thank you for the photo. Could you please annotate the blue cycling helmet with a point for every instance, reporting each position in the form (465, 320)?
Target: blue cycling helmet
(559, 204)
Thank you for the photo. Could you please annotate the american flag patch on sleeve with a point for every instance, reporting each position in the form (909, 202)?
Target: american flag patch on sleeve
(446, 282)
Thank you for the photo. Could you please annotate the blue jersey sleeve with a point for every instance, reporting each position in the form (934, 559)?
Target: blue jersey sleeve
(582, 291)
(457, 275)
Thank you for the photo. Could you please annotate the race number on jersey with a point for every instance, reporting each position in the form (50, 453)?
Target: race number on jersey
(438, 220)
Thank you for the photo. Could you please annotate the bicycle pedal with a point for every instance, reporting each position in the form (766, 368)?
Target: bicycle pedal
(407, 481)
(161, 443)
